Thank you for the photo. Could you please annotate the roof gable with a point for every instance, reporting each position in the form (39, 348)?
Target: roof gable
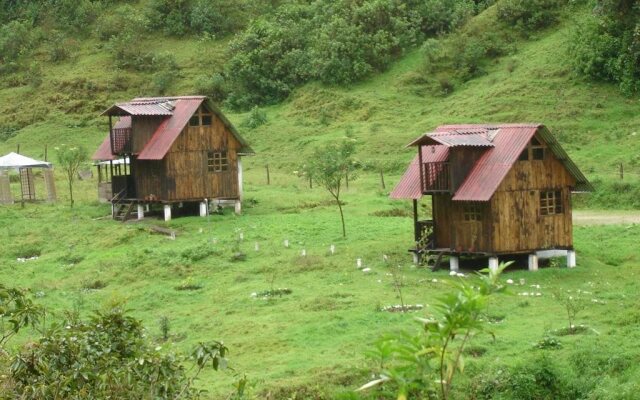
(176, 112)
(491, 168)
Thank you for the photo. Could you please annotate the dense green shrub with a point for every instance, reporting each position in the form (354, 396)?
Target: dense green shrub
(122, 20)
(16, 39)
(529, 14)
(219, 17)
(169, 16)
(106, 357)
(334, 42)
(607, 46)
(539, 378)
(256, 118)
(213, 86)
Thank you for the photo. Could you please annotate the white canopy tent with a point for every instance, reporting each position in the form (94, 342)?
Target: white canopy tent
(24, 166)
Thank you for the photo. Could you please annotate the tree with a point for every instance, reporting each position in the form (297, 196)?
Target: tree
(329, 165)
(424, 364)
(71, 159)
(17, 311)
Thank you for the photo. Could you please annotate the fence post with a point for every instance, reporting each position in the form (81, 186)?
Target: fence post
(268, 177)
(621, 172)
(382, 179)
(18, 149)
(310, 182)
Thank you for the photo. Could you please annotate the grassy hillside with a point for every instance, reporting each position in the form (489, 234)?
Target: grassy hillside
(312, 343)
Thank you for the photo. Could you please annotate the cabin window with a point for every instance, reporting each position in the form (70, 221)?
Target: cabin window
(202, 117)
(535, 150)
(217, 161)
(551, 202)
(472, 212)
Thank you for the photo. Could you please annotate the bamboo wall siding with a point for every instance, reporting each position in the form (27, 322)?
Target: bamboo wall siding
(148, 176)
(511, 221)
(463, 159)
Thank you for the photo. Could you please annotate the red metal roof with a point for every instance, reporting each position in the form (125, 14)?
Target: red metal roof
(409, 185)
(104, 151)
(487, 174)
(170, 128)
(157, 106)
(508, 141)
(458, 137)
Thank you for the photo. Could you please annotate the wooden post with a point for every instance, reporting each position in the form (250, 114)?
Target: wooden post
(382, 179)
(621, 172)
(268, 177)
(18, 149)
(310, 182)
(415, 221)
(45, 153)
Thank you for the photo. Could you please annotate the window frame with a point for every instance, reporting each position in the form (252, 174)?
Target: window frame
(200, 114)
(534, 148)
(472, 211)
(218, 161)
(550, 202)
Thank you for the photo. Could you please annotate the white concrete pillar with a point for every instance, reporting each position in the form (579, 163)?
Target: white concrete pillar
(493, 263)
(454, 263)
(146, 208)
(533, 262)
(416, 258)
(140, 211)
(203, 208)
(240, 177)
(571, 258)
(167, 212)
(238, 207)
(113, 210)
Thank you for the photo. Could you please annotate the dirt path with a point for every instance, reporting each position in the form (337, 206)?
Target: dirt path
(581, 217)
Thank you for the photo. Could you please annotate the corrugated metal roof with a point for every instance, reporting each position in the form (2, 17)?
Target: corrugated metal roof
(169, 129)
(485, 177)
(479, 137)
(409, 185)
(178, 110)
(104, 151)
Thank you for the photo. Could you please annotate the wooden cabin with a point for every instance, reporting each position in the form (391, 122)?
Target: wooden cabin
(495, 190)
(169, 151)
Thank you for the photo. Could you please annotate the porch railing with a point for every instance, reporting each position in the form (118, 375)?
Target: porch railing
(436, 177)
(121, 142)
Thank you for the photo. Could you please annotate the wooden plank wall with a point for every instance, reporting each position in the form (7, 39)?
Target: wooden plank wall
(516, 221)
(462, 159)
(143, 127)
(149, 178)
(186, 164)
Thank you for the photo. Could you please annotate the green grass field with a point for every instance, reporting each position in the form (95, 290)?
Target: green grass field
(312, 343)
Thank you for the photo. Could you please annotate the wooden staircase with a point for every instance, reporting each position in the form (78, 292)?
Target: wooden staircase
(121, 208)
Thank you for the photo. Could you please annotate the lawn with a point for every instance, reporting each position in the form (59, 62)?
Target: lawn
(313, 340)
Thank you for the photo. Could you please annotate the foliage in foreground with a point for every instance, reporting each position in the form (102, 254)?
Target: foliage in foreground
(425, 363)
(107, 356)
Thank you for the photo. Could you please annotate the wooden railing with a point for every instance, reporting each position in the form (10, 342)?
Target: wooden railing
(121, 142)
(436, 177)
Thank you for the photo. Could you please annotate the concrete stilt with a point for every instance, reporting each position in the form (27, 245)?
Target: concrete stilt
(493, 263)
(203, 209)
(571, 258)
(140, 211)
(454, 263)
(533, 262)
(238, 207)
(167, 212)
(416, 258)
(146, 208)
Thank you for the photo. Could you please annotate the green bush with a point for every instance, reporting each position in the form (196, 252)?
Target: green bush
(105, 357)
(529, 14)
(169, 16)
(606, 46)
(122, 20)
(218, 17)
(16, 39)
(256, 118)
(59, 47)
(333, 42)
(213, 86)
